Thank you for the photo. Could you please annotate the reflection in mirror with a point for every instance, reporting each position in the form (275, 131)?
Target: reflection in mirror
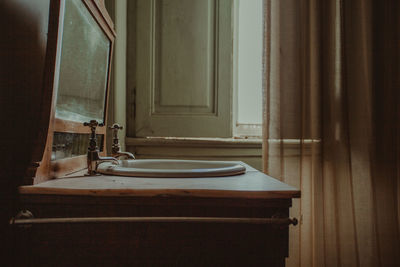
(67, 145)
(84, 65)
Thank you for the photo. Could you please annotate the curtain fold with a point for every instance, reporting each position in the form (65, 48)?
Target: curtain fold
(331, 126)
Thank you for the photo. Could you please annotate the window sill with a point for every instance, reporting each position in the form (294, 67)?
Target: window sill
(235, 142)
(195, 142)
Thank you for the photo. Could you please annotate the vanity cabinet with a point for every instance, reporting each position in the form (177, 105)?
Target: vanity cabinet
(235, 220)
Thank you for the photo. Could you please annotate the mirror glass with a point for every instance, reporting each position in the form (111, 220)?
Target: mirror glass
(84, 64)
(67, 145)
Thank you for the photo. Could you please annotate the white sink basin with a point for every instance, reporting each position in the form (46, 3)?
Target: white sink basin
(168, 168)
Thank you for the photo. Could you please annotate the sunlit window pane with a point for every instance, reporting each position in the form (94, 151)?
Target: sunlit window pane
(249, 80)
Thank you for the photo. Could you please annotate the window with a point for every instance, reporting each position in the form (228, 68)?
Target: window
(248, 40)
(186, 80)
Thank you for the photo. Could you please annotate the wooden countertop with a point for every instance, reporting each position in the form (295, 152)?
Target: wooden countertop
(253, 184)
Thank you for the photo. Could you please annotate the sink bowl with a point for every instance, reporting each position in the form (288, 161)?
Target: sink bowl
(171, 168)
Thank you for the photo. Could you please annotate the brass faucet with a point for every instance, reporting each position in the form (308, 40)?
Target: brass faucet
(115, 149)
(93, 157)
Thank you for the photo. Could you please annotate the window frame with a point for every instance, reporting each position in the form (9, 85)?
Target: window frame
(236, 130)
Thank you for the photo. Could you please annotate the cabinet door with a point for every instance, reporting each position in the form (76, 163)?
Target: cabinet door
(120, 242)
(183, 68)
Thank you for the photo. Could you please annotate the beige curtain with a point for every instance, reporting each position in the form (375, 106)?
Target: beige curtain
(332, 126)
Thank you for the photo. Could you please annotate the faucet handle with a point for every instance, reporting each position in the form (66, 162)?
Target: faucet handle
(93, 141)
(93, 124)
(115, 127)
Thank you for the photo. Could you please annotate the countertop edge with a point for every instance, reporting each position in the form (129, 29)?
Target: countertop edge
(30, 190)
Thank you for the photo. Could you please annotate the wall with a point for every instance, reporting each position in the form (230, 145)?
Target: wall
(22, 56)
(117, 103)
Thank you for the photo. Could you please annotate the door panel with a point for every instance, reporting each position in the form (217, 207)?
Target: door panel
(183, 68)
(184, 75)
(120, 242)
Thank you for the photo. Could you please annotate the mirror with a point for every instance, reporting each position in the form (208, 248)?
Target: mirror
(76, 81)
(84, 63)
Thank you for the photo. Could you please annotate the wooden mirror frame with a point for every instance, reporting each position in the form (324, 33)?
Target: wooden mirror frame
(47, 169)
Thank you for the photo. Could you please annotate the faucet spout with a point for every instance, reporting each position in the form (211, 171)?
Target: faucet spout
(128, 155)
(106, 159)
(94, 160)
